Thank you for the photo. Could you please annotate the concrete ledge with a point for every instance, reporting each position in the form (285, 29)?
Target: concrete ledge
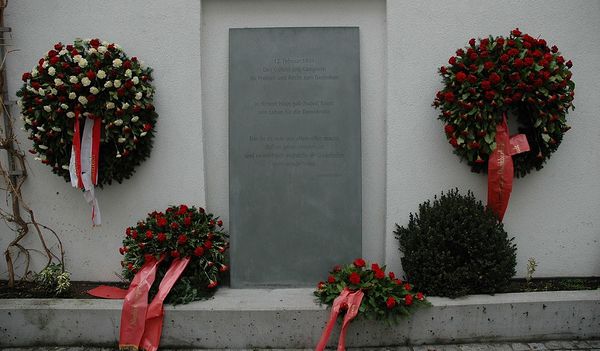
(289, 318)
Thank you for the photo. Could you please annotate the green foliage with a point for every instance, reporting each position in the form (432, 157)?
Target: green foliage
(455, 246)
(386, 297)
(54, 280)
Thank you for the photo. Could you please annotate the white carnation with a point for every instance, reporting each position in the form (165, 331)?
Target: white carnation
(121, 140)
(56, 129)
(128, 73)
(34, 72)
(62, 52)
(83, 63)
(92, 51)
(76, 58)
(135, 119)
(20, 103)
(118, 122)
(72, 96)
(45, 64)
(73, 79)
(101, 74)
(58, 81)
(86, 81)
(52, 71)
(125, 106)
(47, 108)
(117, 62)
(117, 83)
(108, 84)
(110, 105)
(102, 49)
(41, 91)
(64, 106)
(41, 129)
(94, 90)
(138, 95)
(70, 114)
(54, 91)
(135, 80)
(82, 100)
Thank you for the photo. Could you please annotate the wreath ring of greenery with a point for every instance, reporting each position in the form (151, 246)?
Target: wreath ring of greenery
(89, 79)
(495, 76)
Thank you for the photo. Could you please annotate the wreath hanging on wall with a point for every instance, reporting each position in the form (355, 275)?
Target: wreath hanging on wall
(491, 77)
(89, 80)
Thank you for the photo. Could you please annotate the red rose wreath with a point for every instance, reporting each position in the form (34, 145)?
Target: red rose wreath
(496, 76)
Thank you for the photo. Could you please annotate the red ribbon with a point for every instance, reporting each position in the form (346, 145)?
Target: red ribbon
(500, 167)
(141, 323)
(96, 134)
(350, 301)
(77, 147)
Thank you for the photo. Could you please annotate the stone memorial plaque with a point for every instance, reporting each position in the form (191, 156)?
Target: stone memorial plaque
(294, 154)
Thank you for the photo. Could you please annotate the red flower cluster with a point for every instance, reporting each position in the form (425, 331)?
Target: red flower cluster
(520, 74)
(180, 231)
(386, 297)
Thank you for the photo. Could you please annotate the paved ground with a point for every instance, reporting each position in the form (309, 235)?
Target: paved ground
(559, 345)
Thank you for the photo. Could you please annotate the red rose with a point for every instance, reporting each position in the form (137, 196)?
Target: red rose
(359, 262)
(90, 74)
(443, 70)
(128, 84)
(408, 300)
(26, 76)
(472, 42)
(392, 275)
(390, 303)
(223, 268)
(211, 223)
(488, 65)
(175, 254)
(461, 76)
(58, 46)
(453, 142)
(134, 234)
(130, 266)
(220, 223)
(127, 64)
(212, 285)
(495, 78)
(473, 56)
(452, 61)
(516, 32)
(161, 237)
(121, 251)
(354, 278)
(149, 234)
(407, 287)
(484, 43)
(121, 91)
(187, 221)
(419, 296)
(174, 226)
(460, 52)
(182, 209)
(449, 129)
(486, 85)
(330, 279)
(472, 79)
(54, 60)
(147, 127)
(379, 274)
(375, 266)
(321, 285)
(449, 96)
(182, 239)
(337, 268)
(208, 244)
(569, 64)
(528, 61)
(95, 43)
(199, 251)
(500, 41)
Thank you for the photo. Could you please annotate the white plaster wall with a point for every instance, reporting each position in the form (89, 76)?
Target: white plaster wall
(164, 34)
(218, 16)
(554, 214)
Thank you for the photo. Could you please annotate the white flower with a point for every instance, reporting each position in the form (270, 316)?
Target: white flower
(41, 91)
(43, 147)
(125, 106)
(94, 90)
(92, 51)
(110, 105)
(72, 96)
(102, 49)
(83, 63)
(41, 129)
(47, 108)
(138, 95)
(117, 83)
(45, 64)
(76, 58)
(118, 122)
(27, 120)
(118, 155)
(65, 167)
(135, 119)
(34, 72)
(73, 79)
(20, 103)
(117, 62)
(142, 64)
(143, 134)
(64, 106)
(86, 81)
(58, 81)
(54, 91)
(70, 114)
(108, 84)
(62, 52)
(128, 73)
(82, 100)
(56, 129)
(52, 71)
(105, 43)
(135, 80)
(121, 140)
(101, 74)
(117, 46)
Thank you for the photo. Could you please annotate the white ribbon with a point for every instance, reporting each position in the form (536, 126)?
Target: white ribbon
(86, 170)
